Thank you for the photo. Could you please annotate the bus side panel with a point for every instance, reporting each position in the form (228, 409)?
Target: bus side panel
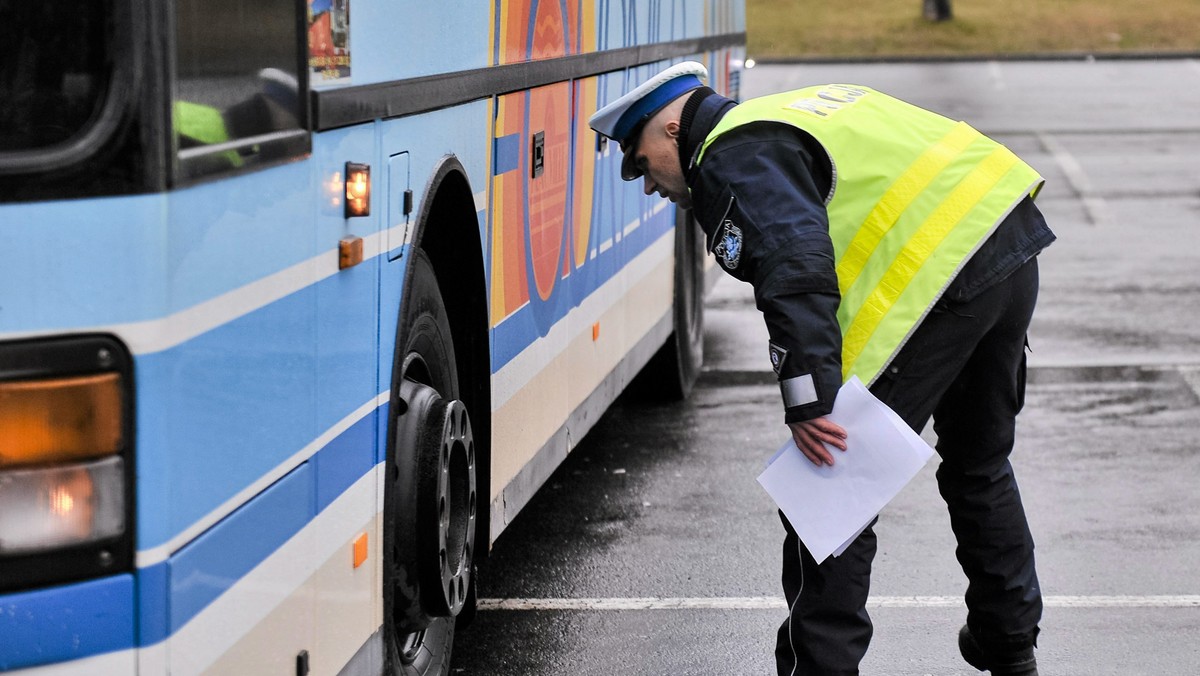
(621, 288)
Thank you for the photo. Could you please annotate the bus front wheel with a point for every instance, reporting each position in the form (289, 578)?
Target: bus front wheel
(430, 488)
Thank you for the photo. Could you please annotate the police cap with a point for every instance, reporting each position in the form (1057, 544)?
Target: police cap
(623, 119)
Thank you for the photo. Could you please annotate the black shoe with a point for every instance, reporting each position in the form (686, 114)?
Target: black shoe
(1017, 662)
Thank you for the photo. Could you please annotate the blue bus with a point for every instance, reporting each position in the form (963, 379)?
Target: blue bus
(300, 303)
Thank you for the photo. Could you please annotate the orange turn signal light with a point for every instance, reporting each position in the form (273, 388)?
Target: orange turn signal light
(60, 419)
(358, 189)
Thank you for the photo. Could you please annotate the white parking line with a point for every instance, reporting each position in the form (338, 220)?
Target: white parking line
(777, 603)
(1191, 375)
(1093, 204)
(996, 76)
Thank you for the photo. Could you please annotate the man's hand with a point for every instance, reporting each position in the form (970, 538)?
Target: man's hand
(810, 434)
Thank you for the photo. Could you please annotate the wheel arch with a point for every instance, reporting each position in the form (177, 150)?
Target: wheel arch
(447, 228)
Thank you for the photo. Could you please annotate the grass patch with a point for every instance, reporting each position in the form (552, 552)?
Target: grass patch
(808, 28)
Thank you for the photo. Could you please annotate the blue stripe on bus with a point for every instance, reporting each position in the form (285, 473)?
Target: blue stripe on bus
(153, 584)
(66, 623)
(507, 154)
(381, 432)
(213, 562)
(347, 458)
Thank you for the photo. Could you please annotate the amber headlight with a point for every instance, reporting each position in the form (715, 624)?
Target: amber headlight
(56, 419)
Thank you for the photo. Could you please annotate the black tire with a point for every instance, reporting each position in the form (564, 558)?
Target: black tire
(672, 371)
(430, 488)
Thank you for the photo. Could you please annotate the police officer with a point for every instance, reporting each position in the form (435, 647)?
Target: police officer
(882, 241)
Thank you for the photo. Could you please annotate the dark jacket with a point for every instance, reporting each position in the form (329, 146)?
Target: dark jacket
(779, 177)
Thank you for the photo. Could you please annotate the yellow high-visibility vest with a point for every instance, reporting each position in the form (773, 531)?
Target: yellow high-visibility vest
(913, 196)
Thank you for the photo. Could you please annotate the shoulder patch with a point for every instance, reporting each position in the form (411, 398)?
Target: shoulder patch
(729, 245)
(778, 356)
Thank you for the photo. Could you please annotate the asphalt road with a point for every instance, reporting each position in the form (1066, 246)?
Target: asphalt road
(653, 550)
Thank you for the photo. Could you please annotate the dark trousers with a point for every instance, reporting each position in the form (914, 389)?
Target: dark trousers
(965, 367)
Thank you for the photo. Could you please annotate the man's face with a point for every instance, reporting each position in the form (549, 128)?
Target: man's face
(656, 155)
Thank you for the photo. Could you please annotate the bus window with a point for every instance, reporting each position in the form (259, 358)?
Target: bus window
(239, 86)
(55, 76)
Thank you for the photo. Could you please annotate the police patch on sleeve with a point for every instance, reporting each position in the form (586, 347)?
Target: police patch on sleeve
(778, 355)
(729, 245)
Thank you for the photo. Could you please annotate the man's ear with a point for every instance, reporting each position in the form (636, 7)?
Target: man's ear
(672, 128)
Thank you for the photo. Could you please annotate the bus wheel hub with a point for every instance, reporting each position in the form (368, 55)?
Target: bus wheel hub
(447, 508)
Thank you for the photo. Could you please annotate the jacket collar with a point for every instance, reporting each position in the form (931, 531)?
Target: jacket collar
(709, 108)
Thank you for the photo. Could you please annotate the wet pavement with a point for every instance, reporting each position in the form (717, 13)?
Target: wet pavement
(654, 551)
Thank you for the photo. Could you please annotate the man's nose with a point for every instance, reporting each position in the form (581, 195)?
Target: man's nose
(647, 184)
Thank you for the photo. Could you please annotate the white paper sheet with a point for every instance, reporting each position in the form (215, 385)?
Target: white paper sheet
(830, 506)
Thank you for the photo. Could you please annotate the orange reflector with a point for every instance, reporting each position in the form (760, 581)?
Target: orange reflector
(596, 331)
(350, 252)
(360, 550)
(60, 419)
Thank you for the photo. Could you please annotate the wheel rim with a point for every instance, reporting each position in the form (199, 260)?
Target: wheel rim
(410, 648)
(456, 507)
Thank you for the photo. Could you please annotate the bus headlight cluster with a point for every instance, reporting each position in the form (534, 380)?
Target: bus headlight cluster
(66, 430)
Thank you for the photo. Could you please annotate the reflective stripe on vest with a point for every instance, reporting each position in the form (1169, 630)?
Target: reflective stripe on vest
(914, 195)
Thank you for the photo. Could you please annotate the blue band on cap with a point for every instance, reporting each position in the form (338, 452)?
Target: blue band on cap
(651, 103)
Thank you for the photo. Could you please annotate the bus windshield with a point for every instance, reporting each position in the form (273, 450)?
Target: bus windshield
(55, 78)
